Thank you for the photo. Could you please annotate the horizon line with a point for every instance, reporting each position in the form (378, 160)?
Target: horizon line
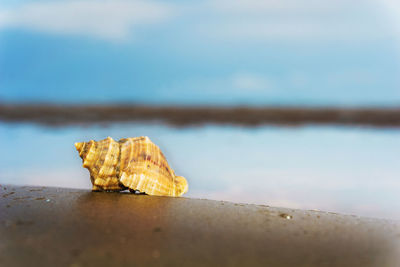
(56, 114)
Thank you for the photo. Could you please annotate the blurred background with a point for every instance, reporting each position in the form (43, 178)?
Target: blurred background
(210, 54)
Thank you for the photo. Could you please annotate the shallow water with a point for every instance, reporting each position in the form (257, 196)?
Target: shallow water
(339, 169)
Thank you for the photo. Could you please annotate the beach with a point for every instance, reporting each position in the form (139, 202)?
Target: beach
(47, 226)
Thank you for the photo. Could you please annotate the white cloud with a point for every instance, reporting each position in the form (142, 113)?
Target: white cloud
(111, 20)
(239, 84)
(269, 30)
(392, 8)
(278, 6)
(3, 18)
(302, 20)
(251, 82)
(243, 20)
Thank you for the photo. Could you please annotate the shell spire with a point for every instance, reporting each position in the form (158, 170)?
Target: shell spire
(101, 159)
(79, 146)
(134, 163)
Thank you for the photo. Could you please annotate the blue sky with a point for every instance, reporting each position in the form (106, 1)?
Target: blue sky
(246, 52)
(285, 52)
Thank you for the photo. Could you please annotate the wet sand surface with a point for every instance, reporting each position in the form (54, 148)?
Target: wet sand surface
(44, 226)
(59, 115)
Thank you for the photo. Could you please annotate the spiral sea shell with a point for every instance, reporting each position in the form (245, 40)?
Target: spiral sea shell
(131, 163)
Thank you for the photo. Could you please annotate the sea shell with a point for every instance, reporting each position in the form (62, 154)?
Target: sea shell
(134, 163)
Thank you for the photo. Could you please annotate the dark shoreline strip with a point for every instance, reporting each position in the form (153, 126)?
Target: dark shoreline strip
(62, 115)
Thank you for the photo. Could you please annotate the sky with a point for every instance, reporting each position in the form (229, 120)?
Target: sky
(212, 52)
(305, 52)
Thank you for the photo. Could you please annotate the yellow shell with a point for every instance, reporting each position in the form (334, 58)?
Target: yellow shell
(131, 163)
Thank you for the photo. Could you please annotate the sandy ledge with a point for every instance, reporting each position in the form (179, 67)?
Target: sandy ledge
(42, 226)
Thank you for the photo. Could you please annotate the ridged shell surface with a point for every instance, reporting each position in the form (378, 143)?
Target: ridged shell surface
(131, 163)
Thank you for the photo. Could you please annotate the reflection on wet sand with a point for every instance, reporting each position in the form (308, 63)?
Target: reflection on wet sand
(77, 227)
(126, 220)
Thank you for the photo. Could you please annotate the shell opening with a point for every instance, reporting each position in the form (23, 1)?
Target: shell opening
(181, 185)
